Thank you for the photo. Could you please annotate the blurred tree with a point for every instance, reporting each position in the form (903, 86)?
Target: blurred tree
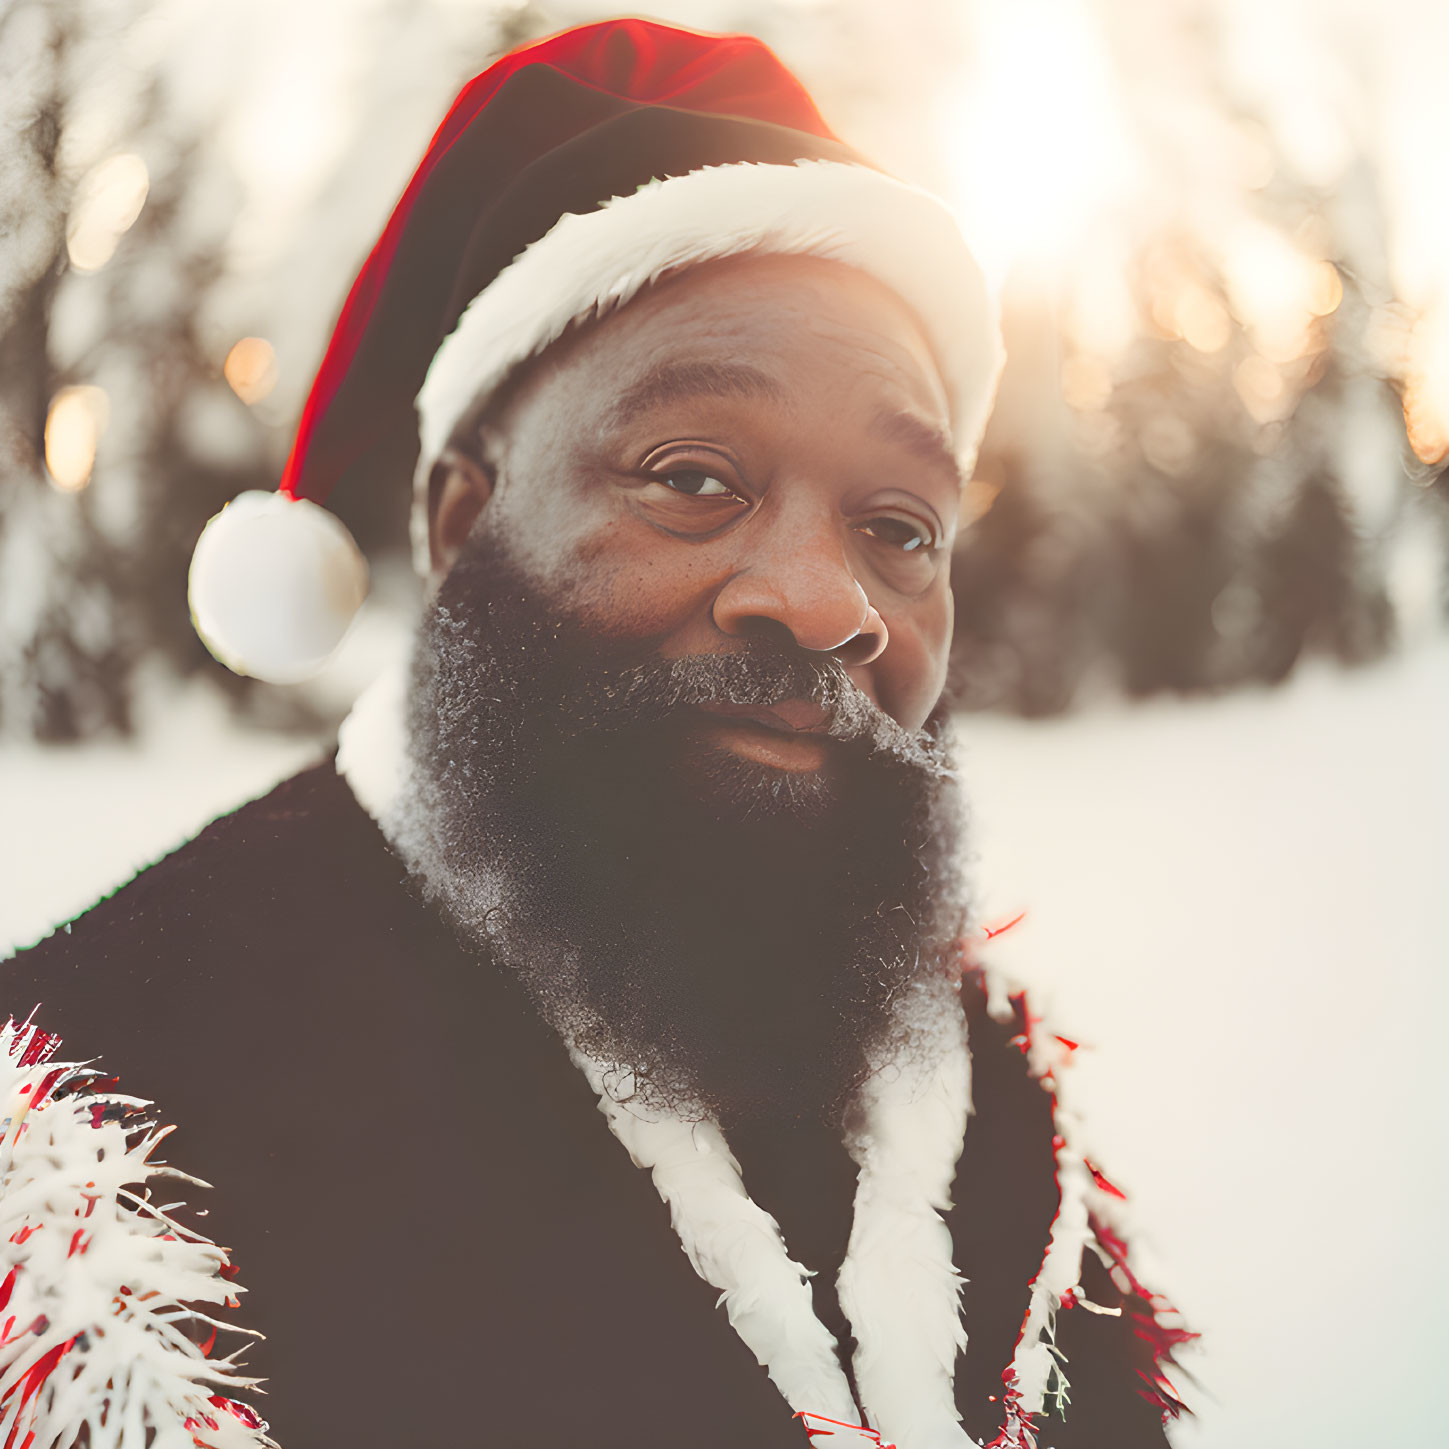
(131, 308)
(121, 435)
(63, 654)
(1218, 498)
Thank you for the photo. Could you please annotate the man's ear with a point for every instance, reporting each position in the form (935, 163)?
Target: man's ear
(457, 490)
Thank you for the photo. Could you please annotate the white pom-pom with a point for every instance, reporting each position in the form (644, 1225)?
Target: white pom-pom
(275, 582)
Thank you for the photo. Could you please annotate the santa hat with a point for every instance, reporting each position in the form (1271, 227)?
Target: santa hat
(565, 178)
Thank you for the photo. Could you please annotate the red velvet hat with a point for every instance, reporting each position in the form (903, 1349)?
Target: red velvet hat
(565, 178)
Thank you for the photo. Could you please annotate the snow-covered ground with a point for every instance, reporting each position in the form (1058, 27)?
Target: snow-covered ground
(1238, 905)
(1242, 907)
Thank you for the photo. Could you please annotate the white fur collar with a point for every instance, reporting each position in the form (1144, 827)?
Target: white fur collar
(372, 743)
(898, 1285)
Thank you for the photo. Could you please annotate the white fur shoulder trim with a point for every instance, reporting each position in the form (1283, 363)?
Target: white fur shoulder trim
(372, 742)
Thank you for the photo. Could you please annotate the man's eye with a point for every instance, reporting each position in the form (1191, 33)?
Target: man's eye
(899, 533)
(696, 483)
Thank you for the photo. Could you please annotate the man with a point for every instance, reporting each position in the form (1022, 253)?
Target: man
(659, 823)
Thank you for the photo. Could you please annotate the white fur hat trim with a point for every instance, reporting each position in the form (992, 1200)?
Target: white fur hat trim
(590, 263)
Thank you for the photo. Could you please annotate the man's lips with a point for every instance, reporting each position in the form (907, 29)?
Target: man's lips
(786, 736)
(789, 716)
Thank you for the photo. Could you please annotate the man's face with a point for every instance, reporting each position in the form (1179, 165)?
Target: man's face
(670, 753)
(755, 447)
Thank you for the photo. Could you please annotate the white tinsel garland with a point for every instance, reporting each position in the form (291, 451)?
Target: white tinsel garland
(100, 1283)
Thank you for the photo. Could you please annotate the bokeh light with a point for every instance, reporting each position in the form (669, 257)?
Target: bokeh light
(251, 369)
(1426, 387)
(107, 202)
(73, 428)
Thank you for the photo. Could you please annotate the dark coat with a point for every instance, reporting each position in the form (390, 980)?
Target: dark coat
(440, 1238)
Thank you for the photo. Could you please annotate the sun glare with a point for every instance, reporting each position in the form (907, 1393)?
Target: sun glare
(1039, 151)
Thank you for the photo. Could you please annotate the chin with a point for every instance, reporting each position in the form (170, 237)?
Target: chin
(743, 787)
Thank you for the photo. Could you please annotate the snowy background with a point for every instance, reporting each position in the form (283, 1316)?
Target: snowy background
(1201, 604)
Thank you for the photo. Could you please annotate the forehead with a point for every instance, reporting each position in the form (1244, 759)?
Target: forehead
(777, 327)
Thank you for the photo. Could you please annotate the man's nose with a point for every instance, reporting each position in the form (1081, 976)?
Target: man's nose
(802, 582)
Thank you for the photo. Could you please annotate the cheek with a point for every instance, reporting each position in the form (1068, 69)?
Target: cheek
(567, 522)
(911, 675)
(654, 595)
(626, 581)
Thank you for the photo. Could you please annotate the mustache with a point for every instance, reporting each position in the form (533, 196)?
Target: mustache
(758, 673)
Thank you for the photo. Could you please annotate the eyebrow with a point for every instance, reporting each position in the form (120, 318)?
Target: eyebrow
(926, 441)
(672, 382)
